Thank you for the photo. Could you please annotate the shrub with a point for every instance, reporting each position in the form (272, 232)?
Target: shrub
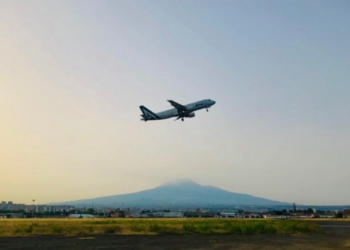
(29, 229)
(154, 228)
(56, 229)
(90, 229)
(189, 228)
(112, 230)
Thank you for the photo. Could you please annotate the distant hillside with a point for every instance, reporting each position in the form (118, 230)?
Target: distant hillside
(180, 192)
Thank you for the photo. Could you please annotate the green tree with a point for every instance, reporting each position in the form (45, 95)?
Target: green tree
(91, 211)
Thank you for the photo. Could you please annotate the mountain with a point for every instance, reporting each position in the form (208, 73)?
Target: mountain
(183, 192)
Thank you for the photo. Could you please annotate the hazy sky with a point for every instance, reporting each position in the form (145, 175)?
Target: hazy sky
(73, 74)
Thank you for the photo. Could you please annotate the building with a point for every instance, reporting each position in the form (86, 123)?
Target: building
(11, 215)
(228, 215)
(81, 216)
(158, 214)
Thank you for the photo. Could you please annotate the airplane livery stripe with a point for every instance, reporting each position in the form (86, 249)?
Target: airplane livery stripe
(149, 113)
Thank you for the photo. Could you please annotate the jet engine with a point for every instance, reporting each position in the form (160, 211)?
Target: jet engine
(190, 115)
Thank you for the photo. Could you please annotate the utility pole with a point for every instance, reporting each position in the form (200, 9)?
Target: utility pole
(33, 209)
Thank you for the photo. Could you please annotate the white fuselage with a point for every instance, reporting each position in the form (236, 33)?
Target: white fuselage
(203, 104)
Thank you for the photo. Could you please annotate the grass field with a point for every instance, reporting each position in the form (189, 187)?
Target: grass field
(22, 227)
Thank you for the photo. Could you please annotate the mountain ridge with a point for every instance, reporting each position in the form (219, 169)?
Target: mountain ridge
(180, 192)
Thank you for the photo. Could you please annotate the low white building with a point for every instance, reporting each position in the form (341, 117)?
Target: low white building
(228, 215)
(80, 216)
(158, 214)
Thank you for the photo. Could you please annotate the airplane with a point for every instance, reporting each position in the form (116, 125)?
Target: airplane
(179, 111)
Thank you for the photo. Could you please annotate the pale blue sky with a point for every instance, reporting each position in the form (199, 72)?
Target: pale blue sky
(74, 73)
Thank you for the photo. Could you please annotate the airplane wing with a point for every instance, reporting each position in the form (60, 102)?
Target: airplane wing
(178, 106)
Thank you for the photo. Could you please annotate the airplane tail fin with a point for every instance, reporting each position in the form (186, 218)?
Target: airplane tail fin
(148, 114)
